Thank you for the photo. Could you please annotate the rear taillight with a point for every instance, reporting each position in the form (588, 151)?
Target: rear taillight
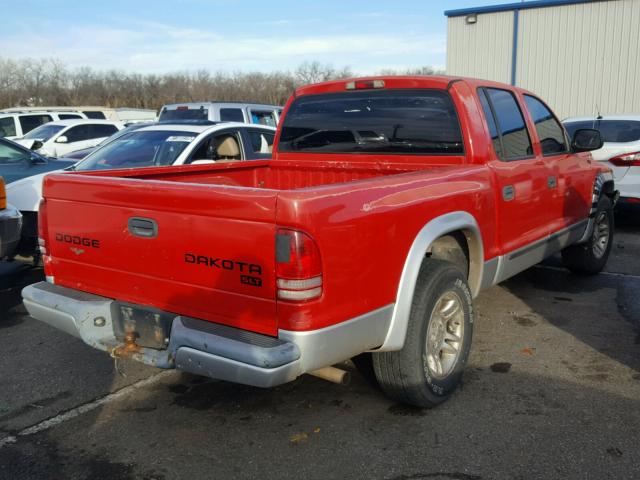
(626, 160)
(42, 227)
(298, 266)
(3, 195)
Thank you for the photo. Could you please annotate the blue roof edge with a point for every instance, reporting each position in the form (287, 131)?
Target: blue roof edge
(506, 7)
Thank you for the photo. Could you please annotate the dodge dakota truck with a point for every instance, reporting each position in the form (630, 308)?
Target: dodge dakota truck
(390, 202)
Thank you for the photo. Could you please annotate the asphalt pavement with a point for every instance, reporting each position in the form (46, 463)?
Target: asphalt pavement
(552, 390)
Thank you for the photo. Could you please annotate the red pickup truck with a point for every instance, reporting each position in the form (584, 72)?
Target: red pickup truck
(390, 202)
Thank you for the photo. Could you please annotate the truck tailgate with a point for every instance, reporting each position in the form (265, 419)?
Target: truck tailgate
(198, 250)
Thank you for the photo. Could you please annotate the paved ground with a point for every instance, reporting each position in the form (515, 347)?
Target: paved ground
(552, 391)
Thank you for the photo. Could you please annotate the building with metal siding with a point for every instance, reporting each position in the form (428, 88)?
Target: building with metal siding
(581, 56)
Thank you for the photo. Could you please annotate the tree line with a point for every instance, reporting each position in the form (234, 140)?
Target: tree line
(35, 82)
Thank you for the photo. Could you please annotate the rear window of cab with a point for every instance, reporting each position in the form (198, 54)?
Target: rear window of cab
(401, 121)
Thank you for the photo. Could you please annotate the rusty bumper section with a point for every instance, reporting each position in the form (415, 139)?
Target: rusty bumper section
(193, 345)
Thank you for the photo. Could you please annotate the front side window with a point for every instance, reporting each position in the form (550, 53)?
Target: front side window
(11, 154)
(29, 122)
(44, 132)
(422, 122)
(550, 132)
(516, 143)
(7, 127)
(136, 149)
(218, 147)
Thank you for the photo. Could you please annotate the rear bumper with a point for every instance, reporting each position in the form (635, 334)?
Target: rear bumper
(10, 230)
(206, 348)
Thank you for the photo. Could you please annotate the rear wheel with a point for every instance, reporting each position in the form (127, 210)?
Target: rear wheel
(428, 368)
(590, 257)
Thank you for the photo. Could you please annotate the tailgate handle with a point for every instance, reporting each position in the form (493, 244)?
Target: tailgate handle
(143, 227)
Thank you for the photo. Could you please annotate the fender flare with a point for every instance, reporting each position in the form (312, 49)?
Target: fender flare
(433, 230)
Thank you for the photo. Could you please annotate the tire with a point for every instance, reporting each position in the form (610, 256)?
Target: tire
(411, 375)
(590, 257)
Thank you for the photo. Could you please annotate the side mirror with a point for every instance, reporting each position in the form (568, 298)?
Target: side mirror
(585, 140)
(62, 139)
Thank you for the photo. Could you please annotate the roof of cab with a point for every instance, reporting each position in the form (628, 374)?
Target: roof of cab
(441, 82)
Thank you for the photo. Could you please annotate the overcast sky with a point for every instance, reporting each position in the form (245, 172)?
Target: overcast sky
(228, 35)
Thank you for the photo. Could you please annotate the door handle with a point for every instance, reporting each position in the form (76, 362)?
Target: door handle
(508, 193)
(552, 182)
(143, 227)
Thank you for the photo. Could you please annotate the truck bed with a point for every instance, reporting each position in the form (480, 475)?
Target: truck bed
(280, 175)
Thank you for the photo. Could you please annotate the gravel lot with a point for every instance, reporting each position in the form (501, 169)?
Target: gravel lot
(552, 391)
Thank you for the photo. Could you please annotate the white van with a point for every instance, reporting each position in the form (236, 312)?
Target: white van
(17, 125)
(123, 114)
(258, 113)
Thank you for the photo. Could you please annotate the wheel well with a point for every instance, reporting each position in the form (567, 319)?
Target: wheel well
(463, 249)
(453, 248)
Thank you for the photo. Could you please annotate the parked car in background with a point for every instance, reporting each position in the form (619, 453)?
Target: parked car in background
(151, 145)
(10, 224)
(78, 155)
(17, 161)
(222, 112)
(16, 125)
(55, 139)
(125, 115)
(620, 150)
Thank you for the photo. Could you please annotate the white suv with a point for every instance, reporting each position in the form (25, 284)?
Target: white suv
(621, 149)
(16, 125)
(257, 113)
(56, 139)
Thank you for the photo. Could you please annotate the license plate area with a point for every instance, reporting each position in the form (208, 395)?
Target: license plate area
(150, 326)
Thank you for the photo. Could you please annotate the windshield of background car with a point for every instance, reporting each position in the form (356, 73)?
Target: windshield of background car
(184, 114)
(615, 131)
(385, 122)
(149, 148)
(12, 153)
(44, 132)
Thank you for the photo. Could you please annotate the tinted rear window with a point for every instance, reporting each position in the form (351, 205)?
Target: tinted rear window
(231, 115)
(616, 131)
(95, 115)
(184, 114)
(384, 121)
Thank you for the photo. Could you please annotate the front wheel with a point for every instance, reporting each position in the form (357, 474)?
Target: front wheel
(428, 368)
(590, 257)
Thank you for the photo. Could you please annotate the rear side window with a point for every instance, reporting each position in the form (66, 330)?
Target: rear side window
(493, 129)
(550, 132)
(184, 113)
(422, 122)
(7, 127)
(514, 136)
(29, 122)
(78, 134)
(99, 131)
(615, 131)
(68, 116)
(95, 115)
(263, 117)
(231, 115)
(261, 142)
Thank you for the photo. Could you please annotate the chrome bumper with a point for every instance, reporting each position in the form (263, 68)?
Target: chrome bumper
(206, 348)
